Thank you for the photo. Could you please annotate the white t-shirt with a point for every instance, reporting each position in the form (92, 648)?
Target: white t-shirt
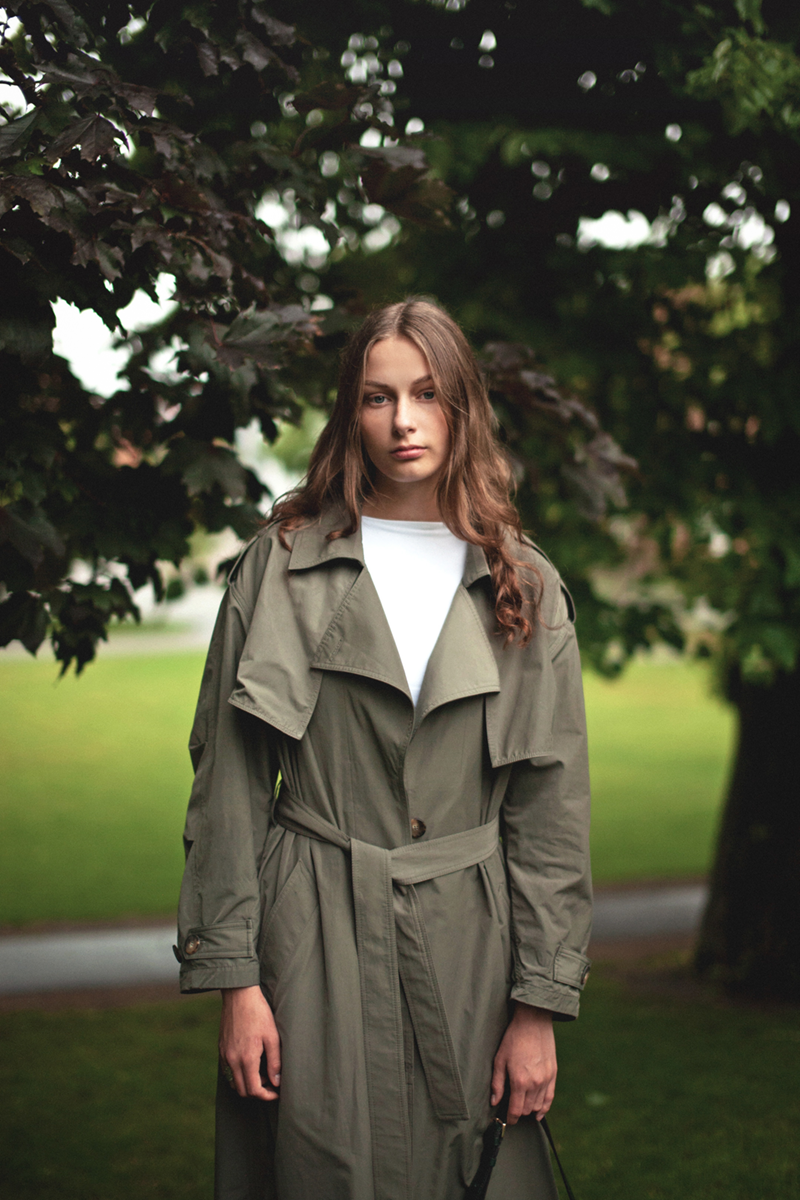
(416, 567)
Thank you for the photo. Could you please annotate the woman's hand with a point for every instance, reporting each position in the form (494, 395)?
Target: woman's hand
(246, 1031)
(528, 1055)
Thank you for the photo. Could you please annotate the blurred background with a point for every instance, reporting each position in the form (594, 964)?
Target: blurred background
(196, 206)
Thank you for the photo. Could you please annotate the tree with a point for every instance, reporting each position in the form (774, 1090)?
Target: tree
(145, 136)
(538, 119)
(686, 117)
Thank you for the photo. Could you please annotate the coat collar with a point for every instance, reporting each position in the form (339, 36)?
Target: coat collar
(311, 548)
(325, 615)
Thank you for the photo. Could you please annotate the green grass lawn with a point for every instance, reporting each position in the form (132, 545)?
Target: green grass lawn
(660, 748)
(96, 776)
(95, 779)
(656, 1098)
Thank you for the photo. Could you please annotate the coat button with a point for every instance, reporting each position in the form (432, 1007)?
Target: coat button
(417, 827)
(192, 944)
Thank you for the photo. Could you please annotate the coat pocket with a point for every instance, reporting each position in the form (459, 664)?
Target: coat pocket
(282, 932)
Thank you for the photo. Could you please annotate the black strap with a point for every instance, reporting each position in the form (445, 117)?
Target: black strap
(492, 1140)
(549, 1137)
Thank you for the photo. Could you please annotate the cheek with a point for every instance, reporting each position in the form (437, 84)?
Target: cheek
(442, 433)
(370, 437)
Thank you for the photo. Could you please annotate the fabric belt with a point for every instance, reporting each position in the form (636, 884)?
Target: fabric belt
(393, 945)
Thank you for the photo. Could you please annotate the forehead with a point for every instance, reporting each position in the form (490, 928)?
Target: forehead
(395, 358)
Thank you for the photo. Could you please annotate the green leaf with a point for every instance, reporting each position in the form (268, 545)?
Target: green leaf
(781, 644)
(750, 10)
(606, 7)
(792, 574)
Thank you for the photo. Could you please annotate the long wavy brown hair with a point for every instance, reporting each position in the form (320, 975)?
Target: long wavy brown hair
(474, 492)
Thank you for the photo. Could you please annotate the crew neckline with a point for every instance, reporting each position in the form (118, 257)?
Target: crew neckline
(434, 527)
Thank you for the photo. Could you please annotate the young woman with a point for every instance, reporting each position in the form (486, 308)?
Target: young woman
(393, 687)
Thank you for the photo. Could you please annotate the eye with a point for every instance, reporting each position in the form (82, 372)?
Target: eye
(428, 394)
(377, 399)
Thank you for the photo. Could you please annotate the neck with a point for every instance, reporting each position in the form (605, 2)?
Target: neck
(403, 503)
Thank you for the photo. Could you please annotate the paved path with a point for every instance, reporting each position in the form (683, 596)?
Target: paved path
(49, 962)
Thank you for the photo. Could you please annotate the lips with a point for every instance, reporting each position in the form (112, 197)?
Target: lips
(406, 453)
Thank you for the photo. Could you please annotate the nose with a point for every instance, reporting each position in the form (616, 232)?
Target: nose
(403, 416)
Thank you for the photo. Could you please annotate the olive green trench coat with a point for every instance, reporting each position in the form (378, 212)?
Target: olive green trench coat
(344, 851)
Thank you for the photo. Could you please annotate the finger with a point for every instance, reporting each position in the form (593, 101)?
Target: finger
(272, 1051)
(253, 1083)
(498, 1080)
(516, 1104)
(237, 1076)
(547, 1102)
(226, 1073)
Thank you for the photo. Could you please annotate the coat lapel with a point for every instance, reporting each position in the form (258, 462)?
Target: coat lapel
(323, 613)
(359, 640)
(462, 663)
(519, 712)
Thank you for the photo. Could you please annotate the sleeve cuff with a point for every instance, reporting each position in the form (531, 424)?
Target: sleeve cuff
(562, 1002)
(204, 977)
(217, 956)
(561, 991)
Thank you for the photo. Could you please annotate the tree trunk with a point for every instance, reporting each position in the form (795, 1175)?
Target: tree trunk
(750, 936)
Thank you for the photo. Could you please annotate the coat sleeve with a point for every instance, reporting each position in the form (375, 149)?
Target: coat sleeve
(227, 821)
(546, 837)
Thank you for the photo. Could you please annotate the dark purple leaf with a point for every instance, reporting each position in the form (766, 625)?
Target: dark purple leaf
(397, 158)
(279, 34)
(23, 616)
(212, 465)
(15, 134)
(68, 138)
(329, 95)
(80, 80)
(68, 18)
(254, 51)
(100, 137)
(142, 99)
(42, 197)
(30, 537)
(208, 57)
(261, 335)
(597, 464)
(397, 178)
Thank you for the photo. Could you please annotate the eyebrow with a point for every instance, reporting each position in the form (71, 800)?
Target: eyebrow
(388, 388)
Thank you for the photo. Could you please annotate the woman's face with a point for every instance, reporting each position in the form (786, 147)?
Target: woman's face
(403, 427)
